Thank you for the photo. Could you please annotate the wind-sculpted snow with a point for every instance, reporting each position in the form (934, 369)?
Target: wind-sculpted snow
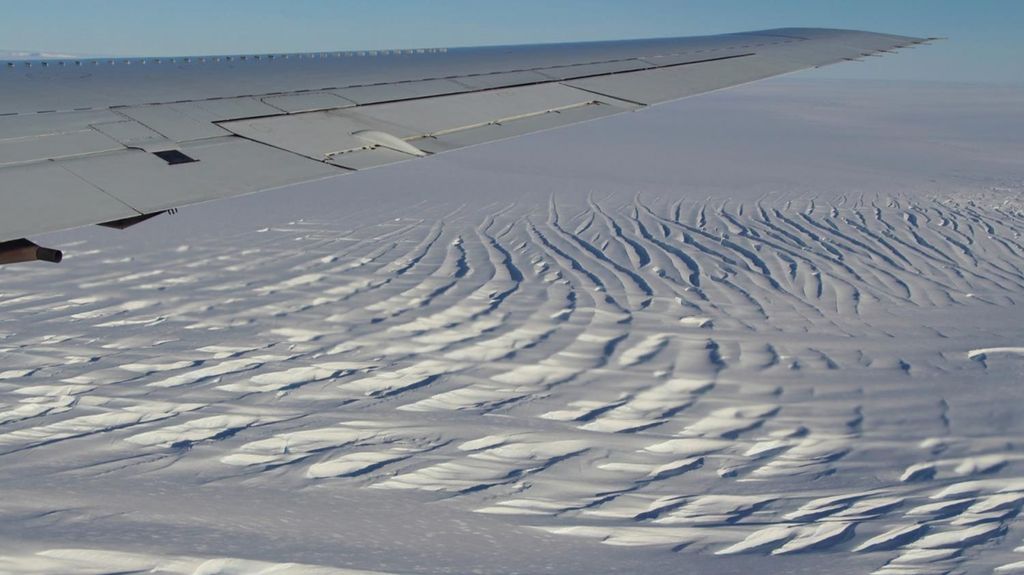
(714, 378)
(90, 562)
(631, 383)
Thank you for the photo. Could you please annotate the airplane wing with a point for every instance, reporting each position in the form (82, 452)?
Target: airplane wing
(116, 141)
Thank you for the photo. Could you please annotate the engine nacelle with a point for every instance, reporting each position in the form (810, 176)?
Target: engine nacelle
(20, 251)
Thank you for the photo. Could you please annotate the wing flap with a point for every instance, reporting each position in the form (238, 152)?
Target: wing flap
(502, 80)
(432, 116)
(54, 146)
(132, 134)
(377, 93)
(513, 127)
(222, 109)
(683, 75)
(175, 122)
(15, 127)
(224, 167)
(372, 156)
(315, 135)
(46, 197)
(295, 103)
(584, 70)
(651, 87)
(433, 124)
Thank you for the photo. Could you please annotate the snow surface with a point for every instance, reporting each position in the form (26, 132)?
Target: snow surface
(28, 55)
(770, 330)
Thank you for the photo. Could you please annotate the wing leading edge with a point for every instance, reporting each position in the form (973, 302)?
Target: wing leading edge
(116, 141)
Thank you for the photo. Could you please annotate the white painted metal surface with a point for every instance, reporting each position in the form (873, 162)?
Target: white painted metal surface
(262, 121)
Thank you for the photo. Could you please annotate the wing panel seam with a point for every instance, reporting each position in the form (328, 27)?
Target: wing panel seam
(97, 188)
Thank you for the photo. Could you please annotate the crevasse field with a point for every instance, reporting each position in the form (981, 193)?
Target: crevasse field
(772, 330)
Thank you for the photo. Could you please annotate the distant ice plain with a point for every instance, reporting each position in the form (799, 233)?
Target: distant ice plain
(773, 330)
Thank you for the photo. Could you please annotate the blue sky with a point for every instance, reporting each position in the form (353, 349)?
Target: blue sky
(986, 36)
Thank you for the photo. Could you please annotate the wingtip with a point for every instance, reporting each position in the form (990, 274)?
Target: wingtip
(920, 42)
